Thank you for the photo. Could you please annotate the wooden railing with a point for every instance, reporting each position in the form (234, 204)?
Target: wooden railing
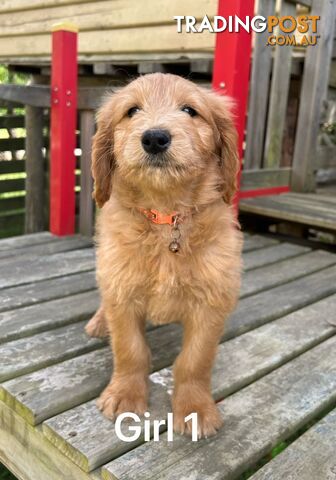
(264, 168)
(271, 80)
(36, 101)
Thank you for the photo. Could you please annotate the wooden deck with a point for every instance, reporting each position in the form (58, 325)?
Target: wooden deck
(310, 209)
(275, 373)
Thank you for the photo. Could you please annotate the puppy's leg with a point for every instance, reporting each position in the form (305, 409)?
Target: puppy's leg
(192, 375)
(128, 388)
(96, 326)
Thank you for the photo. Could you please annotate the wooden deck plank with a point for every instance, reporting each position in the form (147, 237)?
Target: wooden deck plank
(243, 359)
(42, 268)
(288, 398)
(24, 450)
(284, 271)
(253, 242)
(15, 324)
(251, 312)
(313, 197)
(67, 244)
(35, 318)
(308, 207)
(37, 292)
(272, 254)
(80, 378)
(49, 289)
(19, 271)
(28, 354)
(303, 202)
(23, 241)
(273, 207)
(310, 457)
(263, 307)
(318, 197)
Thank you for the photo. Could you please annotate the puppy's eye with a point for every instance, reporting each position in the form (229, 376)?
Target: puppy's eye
(189, 110)
(132, 111)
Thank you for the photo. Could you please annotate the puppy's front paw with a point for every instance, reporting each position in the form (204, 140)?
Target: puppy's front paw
(96, 326)
(127, 395)
(208, 417)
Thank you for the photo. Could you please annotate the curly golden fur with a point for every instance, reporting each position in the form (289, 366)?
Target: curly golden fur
(139, 277)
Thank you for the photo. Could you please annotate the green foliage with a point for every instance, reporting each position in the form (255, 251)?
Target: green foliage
(10, 77)
(278, 449)
(5, 474)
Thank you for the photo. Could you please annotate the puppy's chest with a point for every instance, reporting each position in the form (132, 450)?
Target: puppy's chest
(148, 267)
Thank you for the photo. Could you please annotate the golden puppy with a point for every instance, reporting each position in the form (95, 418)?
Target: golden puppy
(168, 246)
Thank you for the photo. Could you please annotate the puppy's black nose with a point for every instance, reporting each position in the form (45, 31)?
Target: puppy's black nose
(156, 140)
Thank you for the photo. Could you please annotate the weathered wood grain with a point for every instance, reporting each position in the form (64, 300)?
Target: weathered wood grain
(251, 312)
(33, 293)
(315, 197)
(310, 457)
(79, 379)
(41, 268)
(315, 206)
(19, 5)
(288, 398)
(274, 208)
(86, 207)
(26, 240)
(314, 88)
(57, 388)
(284, 271)
(253, 242)
(35, 171)
(24, 450)
(28, 354)
(264, 178)
(272, 254)
(266, 306)
(19, 323)
(239, 362)
(33, 95)
(114, 41)
(100, 15)
(277, 111)
(69, 243)
(260, 82)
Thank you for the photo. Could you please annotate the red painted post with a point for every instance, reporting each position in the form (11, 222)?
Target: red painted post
(232, 60)
(63, 129)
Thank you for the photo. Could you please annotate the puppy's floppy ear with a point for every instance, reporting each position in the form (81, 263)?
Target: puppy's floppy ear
(103, 162)
(227, 144)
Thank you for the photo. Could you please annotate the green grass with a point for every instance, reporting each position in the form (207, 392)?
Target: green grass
(5, 474)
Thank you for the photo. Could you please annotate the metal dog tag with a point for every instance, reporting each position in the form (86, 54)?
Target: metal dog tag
(174, 246)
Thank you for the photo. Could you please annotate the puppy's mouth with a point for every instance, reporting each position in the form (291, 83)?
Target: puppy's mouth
(157, 160)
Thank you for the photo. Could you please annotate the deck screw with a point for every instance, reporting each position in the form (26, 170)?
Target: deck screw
(68, 92)
(222, 84)
(55, 89)
(55, 101)
(68, 104)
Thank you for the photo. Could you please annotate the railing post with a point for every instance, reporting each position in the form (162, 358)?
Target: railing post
(313, 91)
(35, 193)
(86, 205)
(63, 129)
(232, 62)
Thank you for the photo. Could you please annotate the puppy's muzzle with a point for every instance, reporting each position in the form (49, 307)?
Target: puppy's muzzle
(156, 141)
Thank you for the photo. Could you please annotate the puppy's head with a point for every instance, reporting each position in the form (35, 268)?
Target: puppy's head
(162, 130)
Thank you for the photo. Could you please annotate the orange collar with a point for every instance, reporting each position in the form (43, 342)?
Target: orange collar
(159, 218)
